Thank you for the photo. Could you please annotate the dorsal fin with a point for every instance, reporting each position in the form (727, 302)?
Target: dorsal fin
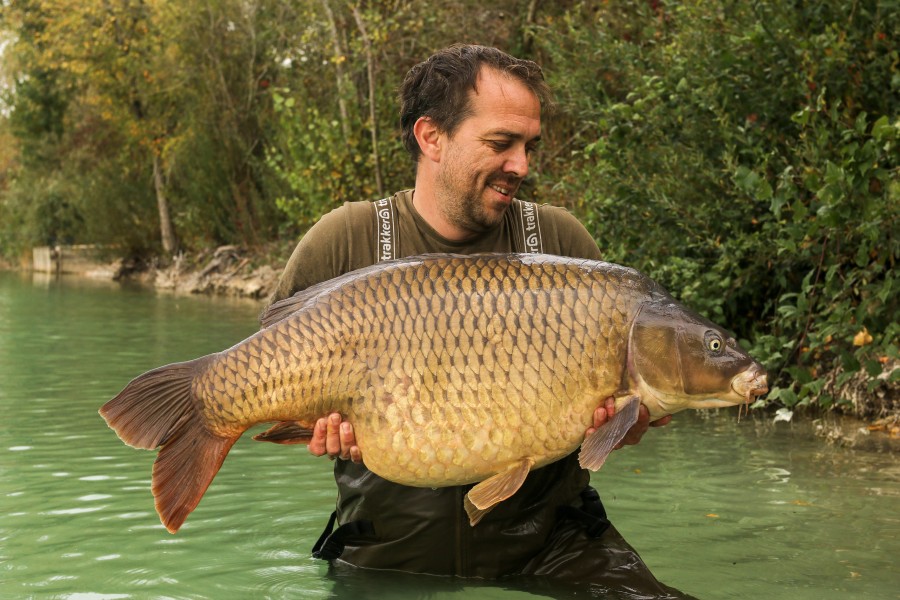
(286, 307)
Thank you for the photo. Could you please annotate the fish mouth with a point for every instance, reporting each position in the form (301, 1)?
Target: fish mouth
(751, 384)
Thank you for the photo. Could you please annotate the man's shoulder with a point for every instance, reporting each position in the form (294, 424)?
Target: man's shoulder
(362, 213)
(564, 234)
(348, 219)
(343, 239)
(351, 211)
(556, 214)
(364, 231)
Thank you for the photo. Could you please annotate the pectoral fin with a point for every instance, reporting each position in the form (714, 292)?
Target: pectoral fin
(487, 494)
(599, 444)
(286, 432)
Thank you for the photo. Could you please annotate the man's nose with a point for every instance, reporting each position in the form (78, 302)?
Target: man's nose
(517, 162)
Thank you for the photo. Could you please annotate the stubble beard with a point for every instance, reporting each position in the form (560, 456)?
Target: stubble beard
(465, 207)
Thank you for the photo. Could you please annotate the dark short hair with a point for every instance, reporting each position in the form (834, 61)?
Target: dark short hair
(438, 88)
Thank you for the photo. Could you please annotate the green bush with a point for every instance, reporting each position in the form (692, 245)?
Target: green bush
(745, 156)
(319, 166)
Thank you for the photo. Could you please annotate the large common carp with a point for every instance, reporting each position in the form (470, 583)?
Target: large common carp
(452, 370)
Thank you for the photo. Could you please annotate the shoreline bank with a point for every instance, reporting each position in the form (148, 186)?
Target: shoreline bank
(229, 271)
(225, 271)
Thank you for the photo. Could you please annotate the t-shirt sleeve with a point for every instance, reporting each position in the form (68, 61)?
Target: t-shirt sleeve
(569, 235)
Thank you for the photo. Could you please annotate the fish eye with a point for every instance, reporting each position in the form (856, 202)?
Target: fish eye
(714, 343)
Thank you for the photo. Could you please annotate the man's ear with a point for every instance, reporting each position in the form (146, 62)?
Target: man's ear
(429, 138)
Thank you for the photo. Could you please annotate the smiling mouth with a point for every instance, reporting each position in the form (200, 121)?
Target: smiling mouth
(504, 189)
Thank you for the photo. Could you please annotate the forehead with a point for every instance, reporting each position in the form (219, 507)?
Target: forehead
(500, 102)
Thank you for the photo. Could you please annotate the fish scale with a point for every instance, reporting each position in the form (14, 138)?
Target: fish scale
(451, 369)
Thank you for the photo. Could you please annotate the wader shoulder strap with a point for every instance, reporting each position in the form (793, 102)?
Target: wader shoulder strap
(528, 227)
(385, 230)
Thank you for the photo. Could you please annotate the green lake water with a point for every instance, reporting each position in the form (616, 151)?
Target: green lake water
(717, 508)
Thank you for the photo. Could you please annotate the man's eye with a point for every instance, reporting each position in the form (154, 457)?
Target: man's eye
(499, 146)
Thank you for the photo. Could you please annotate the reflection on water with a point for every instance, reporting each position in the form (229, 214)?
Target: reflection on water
(717, 509)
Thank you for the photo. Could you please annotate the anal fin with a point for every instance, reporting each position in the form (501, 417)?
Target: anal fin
(495, 489)
(286, 432)
(599, 444)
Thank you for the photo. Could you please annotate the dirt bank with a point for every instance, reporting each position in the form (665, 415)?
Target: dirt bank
(225, 271)
(869, 409)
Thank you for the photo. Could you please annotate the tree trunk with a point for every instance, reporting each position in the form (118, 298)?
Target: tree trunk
(528, 36)
(167, 231)
(339, 71)
(370, 67)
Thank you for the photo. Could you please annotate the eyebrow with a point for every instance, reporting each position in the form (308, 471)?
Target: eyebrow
(510, 135)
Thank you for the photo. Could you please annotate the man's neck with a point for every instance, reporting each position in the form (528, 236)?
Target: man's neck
(427, 205)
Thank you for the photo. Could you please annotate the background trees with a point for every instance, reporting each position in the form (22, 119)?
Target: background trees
(743, 154)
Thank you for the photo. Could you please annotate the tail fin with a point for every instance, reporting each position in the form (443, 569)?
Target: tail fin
(157, 410)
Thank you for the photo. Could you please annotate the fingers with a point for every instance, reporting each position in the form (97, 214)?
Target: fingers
(607, 410)
(317, 444)
(610, 405)
(661, 421)
(355, 454)
(348, 443)
(334, 437)
(599, 420)
(602, 414)
(638, 430)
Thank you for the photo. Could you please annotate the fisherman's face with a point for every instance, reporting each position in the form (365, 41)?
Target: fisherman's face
(486, 158)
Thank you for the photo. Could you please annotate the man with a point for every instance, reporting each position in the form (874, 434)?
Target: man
(470, 118)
